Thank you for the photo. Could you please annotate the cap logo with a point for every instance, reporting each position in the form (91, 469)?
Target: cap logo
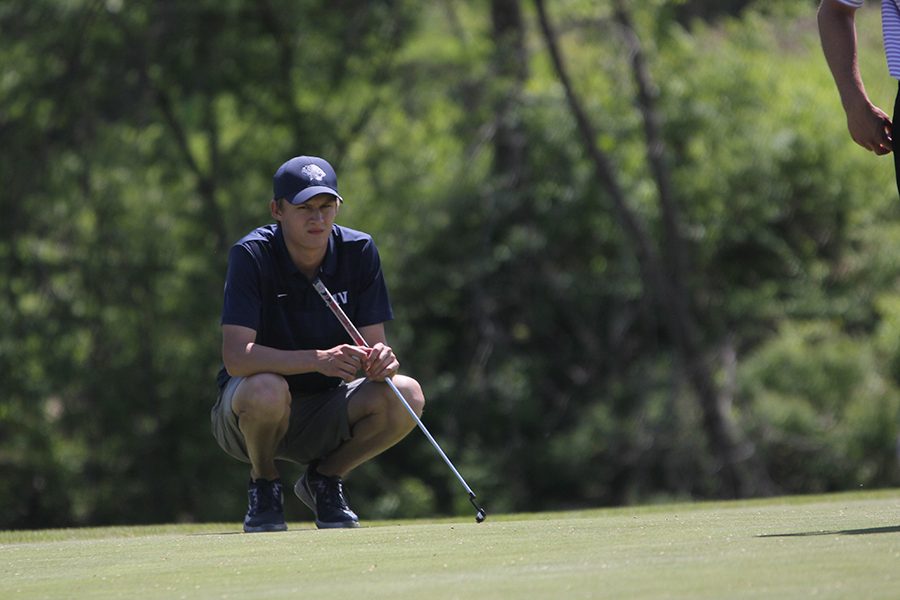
(313, 173)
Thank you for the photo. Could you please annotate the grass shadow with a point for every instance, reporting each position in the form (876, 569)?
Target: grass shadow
(868, 531)
(292, 529)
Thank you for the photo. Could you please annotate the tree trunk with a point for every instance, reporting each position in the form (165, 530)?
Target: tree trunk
(665, 279)
(511, 69)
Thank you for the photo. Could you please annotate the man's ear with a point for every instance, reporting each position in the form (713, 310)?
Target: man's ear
(275, 209)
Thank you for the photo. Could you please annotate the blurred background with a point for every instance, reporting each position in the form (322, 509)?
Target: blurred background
(633, 254)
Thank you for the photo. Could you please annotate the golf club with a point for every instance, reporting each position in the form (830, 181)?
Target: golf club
(360, 341)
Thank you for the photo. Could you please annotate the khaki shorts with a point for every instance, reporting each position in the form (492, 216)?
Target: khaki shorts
(318, 423)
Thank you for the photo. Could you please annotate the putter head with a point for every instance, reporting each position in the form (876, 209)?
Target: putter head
(480, 515)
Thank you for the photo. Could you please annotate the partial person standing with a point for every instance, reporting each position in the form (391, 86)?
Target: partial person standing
(869, 126)
(293, 386)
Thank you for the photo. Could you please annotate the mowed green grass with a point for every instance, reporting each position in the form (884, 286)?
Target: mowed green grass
(833, 546)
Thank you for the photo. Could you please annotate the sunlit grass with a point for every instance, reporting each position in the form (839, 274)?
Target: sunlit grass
(838, 545)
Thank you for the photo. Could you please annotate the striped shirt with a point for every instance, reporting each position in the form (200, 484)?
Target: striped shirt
(890, 26)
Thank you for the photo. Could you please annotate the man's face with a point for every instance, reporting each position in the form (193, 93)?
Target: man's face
(307, 225)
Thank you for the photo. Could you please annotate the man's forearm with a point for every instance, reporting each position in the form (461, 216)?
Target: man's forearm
(255, 358)
(837, 31)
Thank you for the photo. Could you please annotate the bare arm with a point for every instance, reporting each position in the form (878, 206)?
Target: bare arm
(869, 125)
(374, 334)
(243, 356)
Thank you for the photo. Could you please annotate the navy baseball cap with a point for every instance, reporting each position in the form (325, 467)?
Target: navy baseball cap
(303, 177)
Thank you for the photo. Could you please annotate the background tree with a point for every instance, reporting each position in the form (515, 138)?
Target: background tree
(138, 142)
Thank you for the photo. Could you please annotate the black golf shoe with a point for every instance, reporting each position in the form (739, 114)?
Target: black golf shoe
(325, 497)
(265, 510)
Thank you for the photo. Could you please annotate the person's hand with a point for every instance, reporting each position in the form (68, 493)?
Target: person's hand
(381, 363)
(870, 127)
(342, 361)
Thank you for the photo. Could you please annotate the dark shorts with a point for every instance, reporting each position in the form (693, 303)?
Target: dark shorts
(318, 423)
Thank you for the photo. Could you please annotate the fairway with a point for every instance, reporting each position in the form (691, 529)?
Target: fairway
(834, 546)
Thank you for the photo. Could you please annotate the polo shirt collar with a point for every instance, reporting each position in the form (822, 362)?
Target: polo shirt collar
(329, 263)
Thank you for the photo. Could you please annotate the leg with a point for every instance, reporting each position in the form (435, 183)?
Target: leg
(378, 420)
(895, 129)
(262, 404)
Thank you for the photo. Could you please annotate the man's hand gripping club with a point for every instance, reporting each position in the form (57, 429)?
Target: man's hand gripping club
(346, 361)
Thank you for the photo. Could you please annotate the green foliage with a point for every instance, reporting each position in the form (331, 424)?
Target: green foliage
(139, 140)
(825, 416)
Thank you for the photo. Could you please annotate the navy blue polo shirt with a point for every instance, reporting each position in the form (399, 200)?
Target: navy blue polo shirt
(266, 292)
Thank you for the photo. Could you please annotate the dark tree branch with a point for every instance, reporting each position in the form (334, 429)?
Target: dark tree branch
(715, 403)
(286, 62)
(602, 164)
(675, 254)
(206, 181)
(670, 295)
(511, 68)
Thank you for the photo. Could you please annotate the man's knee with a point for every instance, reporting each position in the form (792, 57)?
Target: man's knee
(263, 396)
(412, 392)
(378, 401)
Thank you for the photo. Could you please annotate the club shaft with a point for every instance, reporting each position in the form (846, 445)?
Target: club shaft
(359, 340)
(429, 436)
